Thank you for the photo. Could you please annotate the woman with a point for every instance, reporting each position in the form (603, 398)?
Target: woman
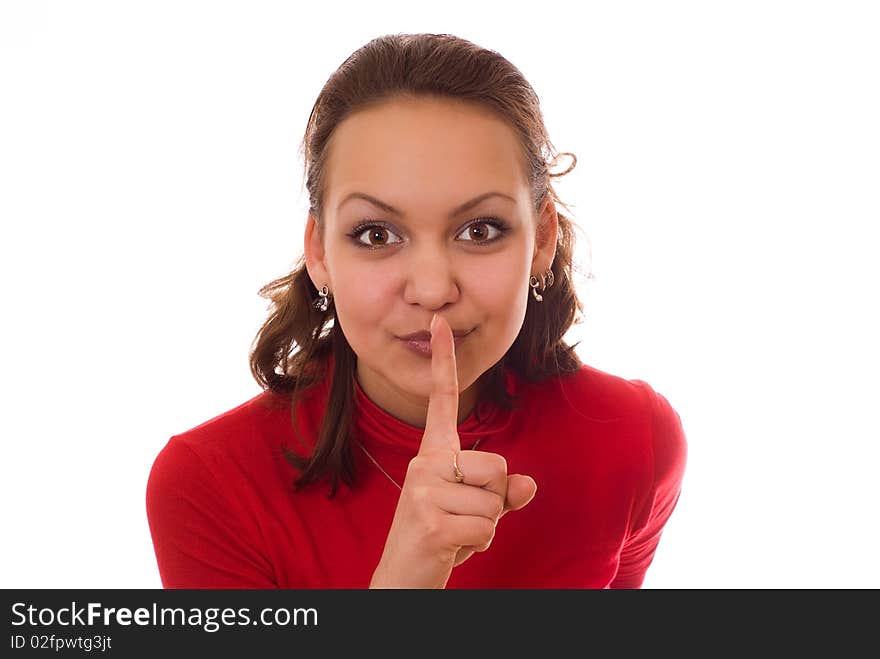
(475, 452)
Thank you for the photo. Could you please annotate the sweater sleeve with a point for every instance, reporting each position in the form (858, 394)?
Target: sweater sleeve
(200, 534)
(669, 455)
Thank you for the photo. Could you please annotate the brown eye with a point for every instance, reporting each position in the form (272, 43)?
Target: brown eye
(479, 232)
(376, 236)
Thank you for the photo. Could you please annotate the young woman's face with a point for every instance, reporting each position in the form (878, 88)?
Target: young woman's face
(391, 264)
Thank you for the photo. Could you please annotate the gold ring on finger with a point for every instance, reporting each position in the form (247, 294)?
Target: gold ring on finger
(459, 477)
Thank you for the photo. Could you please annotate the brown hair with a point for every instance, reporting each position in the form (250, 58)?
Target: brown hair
(393, 66)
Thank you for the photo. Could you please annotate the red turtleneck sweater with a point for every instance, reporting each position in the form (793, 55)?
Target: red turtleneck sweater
(608, 455)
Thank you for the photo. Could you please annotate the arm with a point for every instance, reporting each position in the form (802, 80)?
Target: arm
(201, 535)
(669, 456)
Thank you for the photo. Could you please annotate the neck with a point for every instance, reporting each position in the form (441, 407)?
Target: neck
(406, 407)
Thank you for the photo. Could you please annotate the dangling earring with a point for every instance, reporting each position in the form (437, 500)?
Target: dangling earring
(533, 282)
(321, 302)
(547, 282)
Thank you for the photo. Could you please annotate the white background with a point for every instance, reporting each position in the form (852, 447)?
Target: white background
(726, 188)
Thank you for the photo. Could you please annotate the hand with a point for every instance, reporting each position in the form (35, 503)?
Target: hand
(439, 523)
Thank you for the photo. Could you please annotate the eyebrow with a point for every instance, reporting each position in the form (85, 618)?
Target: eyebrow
(458, 210)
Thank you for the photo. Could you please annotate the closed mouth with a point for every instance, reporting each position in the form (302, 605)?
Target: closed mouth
(426, 336)
(423, 346)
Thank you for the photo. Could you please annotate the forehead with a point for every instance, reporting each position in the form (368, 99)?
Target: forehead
(423, 149)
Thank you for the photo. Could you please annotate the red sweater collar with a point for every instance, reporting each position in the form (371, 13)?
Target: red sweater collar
(376, 425)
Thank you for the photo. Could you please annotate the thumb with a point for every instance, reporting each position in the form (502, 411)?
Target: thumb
(520, 491)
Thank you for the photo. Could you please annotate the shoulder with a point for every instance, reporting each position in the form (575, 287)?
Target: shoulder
(669, 444)
(642, 420)
(209, 447)
(594, 393)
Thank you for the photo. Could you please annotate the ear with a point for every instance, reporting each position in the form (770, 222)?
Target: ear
(313, 250)
(545, 237)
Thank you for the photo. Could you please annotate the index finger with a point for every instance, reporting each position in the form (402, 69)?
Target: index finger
(441, 424)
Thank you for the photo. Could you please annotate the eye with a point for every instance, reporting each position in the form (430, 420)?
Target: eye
(482, 233)
(375, 230)
(478, 230)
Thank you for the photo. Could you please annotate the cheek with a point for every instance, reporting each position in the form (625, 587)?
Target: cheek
(499, 290)
(500, 301)
(362, 305)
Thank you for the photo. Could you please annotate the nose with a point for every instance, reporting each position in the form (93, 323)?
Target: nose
(431, 280)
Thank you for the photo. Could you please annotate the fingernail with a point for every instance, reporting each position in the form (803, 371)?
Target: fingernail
(433, 322)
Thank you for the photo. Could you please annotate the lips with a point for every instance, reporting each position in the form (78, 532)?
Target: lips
(426, 336)
(422, 347)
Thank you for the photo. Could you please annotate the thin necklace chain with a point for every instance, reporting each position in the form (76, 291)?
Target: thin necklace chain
(375, 462)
